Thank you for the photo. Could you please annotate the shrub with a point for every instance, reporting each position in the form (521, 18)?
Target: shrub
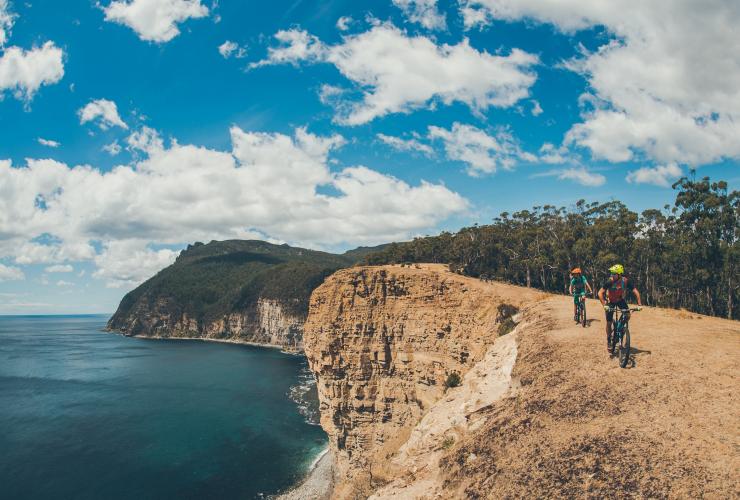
(453, 380)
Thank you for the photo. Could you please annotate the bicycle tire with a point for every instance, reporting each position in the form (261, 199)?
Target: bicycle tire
(583, 314)
(624, 347)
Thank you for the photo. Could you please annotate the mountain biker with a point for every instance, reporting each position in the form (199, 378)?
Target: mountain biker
(578, 286)
(616, 288)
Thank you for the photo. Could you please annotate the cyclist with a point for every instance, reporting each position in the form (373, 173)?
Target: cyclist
(578, 286)
(616, 288)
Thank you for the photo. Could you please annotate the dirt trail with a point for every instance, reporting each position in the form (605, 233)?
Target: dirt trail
(580, 426)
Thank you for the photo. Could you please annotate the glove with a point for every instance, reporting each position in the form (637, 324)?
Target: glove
(606, 308)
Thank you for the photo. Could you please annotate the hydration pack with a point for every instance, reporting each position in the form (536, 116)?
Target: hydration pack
(617, 290)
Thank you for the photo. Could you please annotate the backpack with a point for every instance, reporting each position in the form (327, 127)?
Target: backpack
(617, 290)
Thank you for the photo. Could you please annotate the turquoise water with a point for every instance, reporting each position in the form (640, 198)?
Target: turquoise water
(88, 415)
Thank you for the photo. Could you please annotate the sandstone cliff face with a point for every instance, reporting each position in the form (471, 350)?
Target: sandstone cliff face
(382, 341)
(267, 323)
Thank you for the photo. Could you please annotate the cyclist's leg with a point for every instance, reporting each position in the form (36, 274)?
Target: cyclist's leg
(609, 318)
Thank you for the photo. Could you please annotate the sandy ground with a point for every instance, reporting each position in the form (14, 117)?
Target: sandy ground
(668, 426)
(318, 484)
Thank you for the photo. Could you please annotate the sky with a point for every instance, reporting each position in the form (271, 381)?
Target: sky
(131, 128)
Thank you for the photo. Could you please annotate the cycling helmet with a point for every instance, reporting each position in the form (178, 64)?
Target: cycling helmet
(617, 269)
(576, 270)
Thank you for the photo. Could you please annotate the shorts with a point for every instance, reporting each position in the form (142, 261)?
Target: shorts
(622, 304)
(577, 295)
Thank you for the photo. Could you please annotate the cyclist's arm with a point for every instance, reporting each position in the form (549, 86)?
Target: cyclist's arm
(588, 287)
(601, 296)
(637, 296)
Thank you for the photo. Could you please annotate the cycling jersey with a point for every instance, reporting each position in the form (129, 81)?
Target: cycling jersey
(617, 290)
(578, 284)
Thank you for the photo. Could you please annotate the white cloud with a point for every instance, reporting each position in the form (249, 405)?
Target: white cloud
(296, 46)
(406, 144)
(581, 176)
(483, 153)
(60, 268)
(229, 49)
(344, 22)
(666, 88)
(23, 72)
(64, 283)
(536, 108)
(551, 154)
(267, 185)
(48, 143)
(104, 111)
(9, 273)
(7, 19)
(146, 140)
(662, 175)
(113, 148)
(423, 12)
(128, 263)
(154, 20)
(397, 73)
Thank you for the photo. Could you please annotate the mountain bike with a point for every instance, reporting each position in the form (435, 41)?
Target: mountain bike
(581, 311)
(620, 335)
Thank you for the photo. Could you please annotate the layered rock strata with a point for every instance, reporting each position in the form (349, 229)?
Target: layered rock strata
(382, 342)
(268, 323)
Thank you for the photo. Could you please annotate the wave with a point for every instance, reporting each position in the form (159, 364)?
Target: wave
(305, 395)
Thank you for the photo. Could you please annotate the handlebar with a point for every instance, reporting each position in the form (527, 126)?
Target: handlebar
(629, 309)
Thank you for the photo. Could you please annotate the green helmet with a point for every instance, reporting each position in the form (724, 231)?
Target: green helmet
(617, 269)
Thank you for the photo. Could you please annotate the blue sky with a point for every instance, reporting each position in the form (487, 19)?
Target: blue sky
(131, 128)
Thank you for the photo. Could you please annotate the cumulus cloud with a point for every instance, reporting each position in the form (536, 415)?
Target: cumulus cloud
(229, 49)
(154, 20)
(64, 283)
(23, 72)
(103, 111)
(60, 268)
(423, 12)
(268, 185)
(666, 87)
(7, 19)
(9, 273)
(582, 176)
(295, 46)
(662, 175)
(482, 152)
(397, 73)
(400, 144)
(48, 143)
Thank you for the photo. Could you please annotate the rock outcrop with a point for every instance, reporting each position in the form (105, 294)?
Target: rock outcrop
(242, 291)
(267, 323)
(542, 411)
(382, 342)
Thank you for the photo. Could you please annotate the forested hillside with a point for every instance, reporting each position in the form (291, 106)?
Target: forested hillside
(244, 290)
(686, 255)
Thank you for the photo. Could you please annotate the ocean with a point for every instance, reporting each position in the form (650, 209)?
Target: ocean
(86, 414)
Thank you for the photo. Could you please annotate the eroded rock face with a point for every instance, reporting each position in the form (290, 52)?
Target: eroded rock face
(267, 323)
(382, 341)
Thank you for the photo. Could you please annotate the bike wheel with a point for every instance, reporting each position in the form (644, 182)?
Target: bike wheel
(583, 314)
(624, 348)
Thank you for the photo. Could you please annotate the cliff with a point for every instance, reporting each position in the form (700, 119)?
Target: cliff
(245, 291)
(542, 411)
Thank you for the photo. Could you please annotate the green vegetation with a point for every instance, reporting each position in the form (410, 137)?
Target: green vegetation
(685, 256)
(210, 280)
(453, 380)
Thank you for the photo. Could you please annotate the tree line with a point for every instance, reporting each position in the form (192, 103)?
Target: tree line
(681, 256)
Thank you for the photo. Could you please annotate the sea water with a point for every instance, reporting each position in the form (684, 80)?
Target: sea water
(89, 415)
